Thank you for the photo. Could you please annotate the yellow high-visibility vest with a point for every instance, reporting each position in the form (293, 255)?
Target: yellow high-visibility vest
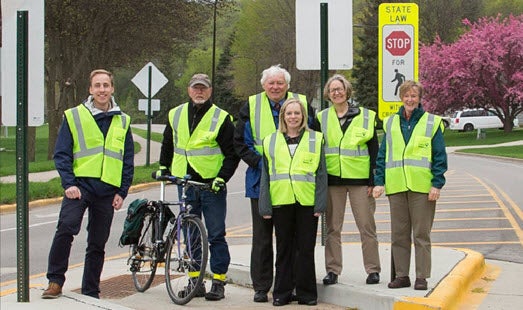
(95, 156)
(346, 154)
(408, 167)
(293, 178)
(200, 148)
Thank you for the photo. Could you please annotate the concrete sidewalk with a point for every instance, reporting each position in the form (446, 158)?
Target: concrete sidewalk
(453, 270)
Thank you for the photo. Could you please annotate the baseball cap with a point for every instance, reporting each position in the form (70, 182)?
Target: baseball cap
(200, 78)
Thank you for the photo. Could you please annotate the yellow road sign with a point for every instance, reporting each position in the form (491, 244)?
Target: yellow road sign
(397, 53)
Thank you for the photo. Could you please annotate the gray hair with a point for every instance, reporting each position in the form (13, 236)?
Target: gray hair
(275, 70)
(347, 86)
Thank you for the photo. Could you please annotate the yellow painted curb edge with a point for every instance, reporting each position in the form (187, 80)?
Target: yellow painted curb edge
(7, 208)
(449, 291)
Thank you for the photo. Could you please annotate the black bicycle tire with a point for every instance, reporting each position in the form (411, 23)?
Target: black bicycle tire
(148, 224)
(188, 220)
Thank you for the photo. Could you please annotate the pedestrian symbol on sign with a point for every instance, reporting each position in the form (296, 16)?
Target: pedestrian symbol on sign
(399, 79)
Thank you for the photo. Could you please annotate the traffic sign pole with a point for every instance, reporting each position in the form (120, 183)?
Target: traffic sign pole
(22, 167)
(147, 154)
(324, 39)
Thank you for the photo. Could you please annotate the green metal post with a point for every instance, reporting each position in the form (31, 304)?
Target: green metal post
(22, 180)
(324, 52)
(324, 71)
(147, 154)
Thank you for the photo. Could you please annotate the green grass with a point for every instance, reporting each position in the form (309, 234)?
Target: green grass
(507, 151)
(53, 188)
(142, 174)
(493, 136)
(8, 153)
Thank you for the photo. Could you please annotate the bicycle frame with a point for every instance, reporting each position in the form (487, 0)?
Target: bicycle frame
(184, 209)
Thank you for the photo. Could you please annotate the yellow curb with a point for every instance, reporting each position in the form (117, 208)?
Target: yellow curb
(7, 208)
(449, 291)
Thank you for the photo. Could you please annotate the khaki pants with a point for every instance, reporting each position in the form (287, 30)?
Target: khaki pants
(363, 208)
(412, 214)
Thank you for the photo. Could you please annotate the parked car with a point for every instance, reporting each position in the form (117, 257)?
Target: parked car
(470, 119)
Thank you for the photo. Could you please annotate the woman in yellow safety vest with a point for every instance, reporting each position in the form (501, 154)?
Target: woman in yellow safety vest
(293, 191)
(351, 147)
(410, 170)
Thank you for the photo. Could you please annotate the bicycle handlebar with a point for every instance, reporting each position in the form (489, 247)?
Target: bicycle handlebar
(186, 180)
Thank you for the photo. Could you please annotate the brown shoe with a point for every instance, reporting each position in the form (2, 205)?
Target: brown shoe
(400, 282)
(54, 290)
(420, 284)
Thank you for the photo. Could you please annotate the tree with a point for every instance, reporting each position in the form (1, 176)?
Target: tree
(483, 68)
(265, 35)
(223, 94)
(82, 35)
(443, 18)
(503, 7)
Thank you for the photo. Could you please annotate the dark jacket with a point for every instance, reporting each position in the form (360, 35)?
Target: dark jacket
(439, 154)
(63, 159)
(224, 139)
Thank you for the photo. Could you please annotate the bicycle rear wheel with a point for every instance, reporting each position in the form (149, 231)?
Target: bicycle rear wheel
(144, 260)
(186, 260)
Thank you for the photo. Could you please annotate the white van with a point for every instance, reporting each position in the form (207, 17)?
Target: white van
(468, 120)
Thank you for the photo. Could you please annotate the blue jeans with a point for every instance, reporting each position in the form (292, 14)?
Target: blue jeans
(98, 228)
(213, 206)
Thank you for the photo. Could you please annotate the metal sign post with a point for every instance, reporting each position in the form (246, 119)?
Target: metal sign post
(324, 72)
(22, 168)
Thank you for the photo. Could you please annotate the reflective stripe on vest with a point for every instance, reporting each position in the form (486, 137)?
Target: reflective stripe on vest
(200, 148)
(262, 120)
(408, 167)
(346, 154)
(293, 174)
(96, 156)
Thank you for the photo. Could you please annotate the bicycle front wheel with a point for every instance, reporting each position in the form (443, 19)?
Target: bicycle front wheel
(144, 259)
(186, 261)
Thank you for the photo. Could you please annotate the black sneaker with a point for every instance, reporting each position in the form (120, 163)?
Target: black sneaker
(217, 291)
(200, 290)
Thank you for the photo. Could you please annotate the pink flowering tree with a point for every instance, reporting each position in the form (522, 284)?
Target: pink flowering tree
(482, 69)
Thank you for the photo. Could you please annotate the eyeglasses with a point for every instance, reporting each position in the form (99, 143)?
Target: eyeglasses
(336, 90)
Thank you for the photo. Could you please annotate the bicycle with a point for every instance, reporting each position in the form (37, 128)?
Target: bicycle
(180, 242)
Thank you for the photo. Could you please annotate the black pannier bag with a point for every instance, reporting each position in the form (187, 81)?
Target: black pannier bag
(133, 224)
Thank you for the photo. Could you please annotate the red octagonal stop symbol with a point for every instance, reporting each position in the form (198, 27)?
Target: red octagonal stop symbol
(398, 43)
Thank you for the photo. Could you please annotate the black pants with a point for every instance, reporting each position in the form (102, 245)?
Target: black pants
(262, 253)
(296, 228)
(98, 228)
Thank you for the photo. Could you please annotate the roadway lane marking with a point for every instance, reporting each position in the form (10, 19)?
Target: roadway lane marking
(506, 211)
(512, 203)
(474, 243)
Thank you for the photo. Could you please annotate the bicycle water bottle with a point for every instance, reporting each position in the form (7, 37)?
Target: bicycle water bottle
(169, 228)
